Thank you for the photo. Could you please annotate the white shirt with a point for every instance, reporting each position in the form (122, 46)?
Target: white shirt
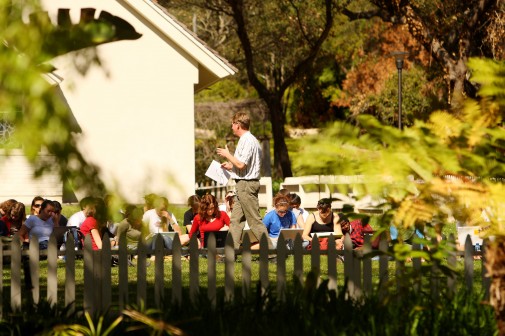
(77, 219)
(152, 219)
(248, 152)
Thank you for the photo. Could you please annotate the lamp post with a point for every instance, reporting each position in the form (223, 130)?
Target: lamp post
(399, 57)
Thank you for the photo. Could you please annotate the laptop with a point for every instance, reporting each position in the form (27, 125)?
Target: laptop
(473, 231)
(326, 234)
(291, 233)
(171, 235)
(220, 238)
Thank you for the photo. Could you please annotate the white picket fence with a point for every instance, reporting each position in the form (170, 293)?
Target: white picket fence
(98, 286)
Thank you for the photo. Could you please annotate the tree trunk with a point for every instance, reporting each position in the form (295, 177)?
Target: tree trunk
(282, 163)
(495, 264)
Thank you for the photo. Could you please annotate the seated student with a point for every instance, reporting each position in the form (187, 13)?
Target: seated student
(39, 226)
(356, 229)
(131, 226)
(324, 220)
(87, 205)
(59, 219)
(96, 225)
(208, 219)
(300, 213)
(35, 208)
(5, 216)
(280, 218)
(5, 207)
(159, 219)
(229, 200)
(17, 218)
(189, 215)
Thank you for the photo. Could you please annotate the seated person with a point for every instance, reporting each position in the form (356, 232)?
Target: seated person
(6, 216)
(96, 225)
(159, 219)
(36, 203)
(189, 215)
(130, 226)
(356, 229)
(59, 219)
(229, 200)
(324, 220)
(39, 226)
(208, 219)
(87, 205)
(281, 218)
(300, 213)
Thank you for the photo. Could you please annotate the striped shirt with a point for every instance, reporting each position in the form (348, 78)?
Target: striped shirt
(248, 152)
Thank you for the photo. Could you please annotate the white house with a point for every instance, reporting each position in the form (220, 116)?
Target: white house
(136, 112)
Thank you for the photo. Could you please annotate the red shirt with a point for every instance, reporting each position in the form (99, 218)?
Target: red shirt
(215, 224)
(89, 224)
(357, 235)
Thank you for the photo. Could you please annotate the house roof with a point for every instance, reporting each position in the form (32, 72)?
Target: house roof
(212, 67)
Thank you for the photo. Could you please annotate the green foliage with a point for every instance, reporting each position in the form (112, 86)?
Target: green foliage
(224, 90)
(418, 99)
(393, 162)
(308, 309)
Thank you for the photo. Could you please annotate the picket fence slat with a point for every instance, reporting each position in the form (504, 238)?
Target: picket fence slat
(383, 268)
(142, 272)
(468, 263)
(298, 259)
(246, 266)
(123, 272)
(332, 264)
(451, 262)
(159, 272)
(106, 284)
(211, 269)
(16, 273)
(264, 281)
(88, 296)
(229, 268)
(97, 292)
(367, 266)
(193, 269)
(281, 267)
(349, 264)
(52, 269)
(70, 274)
(486, 280)
(34, 257)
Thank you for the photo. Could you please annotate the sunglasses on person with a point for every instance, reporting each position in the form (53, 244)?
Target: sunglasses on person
(281, 211)
(37, 205)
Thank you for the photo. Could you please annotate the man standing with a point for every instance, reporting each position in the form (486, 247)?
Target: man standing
(245, 167)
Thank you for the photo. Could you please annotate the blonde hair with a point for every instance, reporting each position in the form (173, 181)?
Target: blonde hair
(243, 119)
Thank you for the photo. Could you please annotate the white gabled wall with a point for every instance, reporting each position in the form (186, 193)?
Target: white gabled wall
(17, 180)
(136, 112)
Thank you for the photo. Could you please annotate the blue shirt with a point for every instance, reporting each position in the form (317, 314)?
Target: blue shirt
(275, 223)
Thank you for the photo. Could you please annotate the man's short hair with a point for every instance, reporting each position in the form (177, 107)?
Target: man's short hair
(243, 119)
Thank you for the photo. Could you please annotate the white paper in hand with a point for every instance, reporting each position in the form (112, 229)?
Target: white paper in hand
(217, 173)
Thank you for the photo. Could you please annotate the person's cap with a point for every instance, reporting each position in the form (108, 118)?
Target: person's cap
(230, 193)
